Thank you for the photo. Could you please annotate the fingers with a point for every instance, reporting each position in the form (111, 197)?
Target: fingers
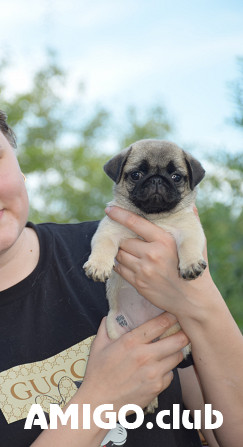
(125, 259)
(127, 274)
(171, 362)
(152, 329)
(134, 246)
(145, 333)
(171, 345)
(142, 227)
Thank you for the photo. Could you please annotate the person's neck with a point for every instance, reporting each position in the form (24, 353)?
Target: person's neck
(19, 260)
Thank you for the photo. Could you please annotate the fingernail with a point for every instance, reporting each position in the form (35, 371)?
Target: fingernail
(108, 209)
(171, 316)
(116, 266)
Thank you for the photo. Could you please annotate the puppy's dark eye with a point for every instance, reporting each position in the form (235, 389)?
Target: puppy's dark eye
(136, 175)
(176, 177)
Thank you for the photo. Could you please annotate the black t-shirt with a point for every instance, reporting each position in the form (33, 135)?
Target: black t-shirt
(47, 323)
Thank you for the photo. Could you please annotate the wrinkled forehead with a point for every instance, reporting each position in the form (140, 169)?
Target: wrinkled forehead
(157, 154)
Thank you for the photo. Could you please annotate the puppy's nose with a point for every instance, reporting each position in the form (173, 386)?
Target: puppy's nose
(156, 183)
(156, 180)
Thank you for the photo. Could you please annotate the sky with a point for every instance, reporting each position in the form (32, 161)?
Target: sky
(179, 54)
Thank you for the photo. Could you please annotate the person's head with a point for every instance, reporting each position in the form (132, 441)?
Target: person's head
(14, 204)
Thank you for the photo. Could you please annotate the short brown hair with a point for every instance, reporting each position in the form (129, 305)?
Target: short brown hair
(6, 130)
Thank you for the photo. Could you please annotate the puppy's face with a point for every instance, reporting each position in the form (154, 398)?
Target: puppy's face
(154, 176)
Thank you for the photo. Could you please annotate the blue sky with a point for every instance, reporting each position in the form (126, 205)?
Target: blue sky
(181, 54)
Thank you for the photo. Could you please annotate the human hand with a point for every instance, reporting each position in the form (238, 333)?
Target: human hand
(132, 369)
(150, 265)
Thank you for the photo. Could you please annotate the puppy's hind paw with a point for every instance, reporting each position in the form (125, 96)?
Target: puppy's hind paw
(152, 406)
(98, 270)
(193, 270)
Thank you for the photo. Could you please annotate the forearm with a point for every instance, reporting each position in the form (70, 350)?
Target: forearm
(217, 348)
(64, 435)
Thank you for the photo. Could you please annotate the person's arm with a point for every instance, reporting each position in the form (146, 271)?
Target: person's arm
(151, 266)
(130, 370)
(217, 348)
(193, 399)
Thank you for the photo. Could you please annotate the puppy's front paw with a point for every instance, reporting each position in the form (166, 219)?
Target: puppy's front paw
(98, 269)
(193, 270)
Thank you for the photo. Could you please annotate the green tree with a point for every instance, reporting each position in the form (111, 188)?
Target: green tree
(60, 145)
(221, 212)
(225, 252)
(63, 179)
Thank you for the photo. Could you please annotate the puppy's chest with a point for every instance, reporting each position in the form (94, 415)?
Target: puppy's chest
(171, 225)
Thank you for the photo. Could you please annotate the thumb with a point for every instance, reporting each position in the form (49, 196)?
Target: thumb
(101, 340)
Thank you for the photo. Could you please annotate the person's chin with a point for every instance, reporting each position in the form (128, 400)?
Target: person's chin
(9, 234)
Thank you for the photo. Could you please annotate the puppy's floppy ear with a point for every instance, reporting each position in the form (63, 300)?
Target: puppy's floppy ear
(195, 170)
(114, 167)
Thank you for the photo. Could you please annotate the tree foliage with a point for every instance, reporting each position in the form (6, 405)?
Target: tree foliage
(62, 150)
(59, 146)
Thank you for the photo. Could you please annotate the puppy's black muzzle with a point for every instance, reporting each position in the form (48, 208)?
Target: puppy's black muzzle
(155, 194)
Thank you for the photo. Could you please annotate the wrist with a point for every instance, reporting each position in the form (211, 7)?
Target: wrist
(101, 396)
(87, 403)
(202, 301)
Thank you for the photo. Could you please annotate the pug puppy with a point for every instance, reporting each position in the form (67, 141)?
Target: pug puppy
(155, 179)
